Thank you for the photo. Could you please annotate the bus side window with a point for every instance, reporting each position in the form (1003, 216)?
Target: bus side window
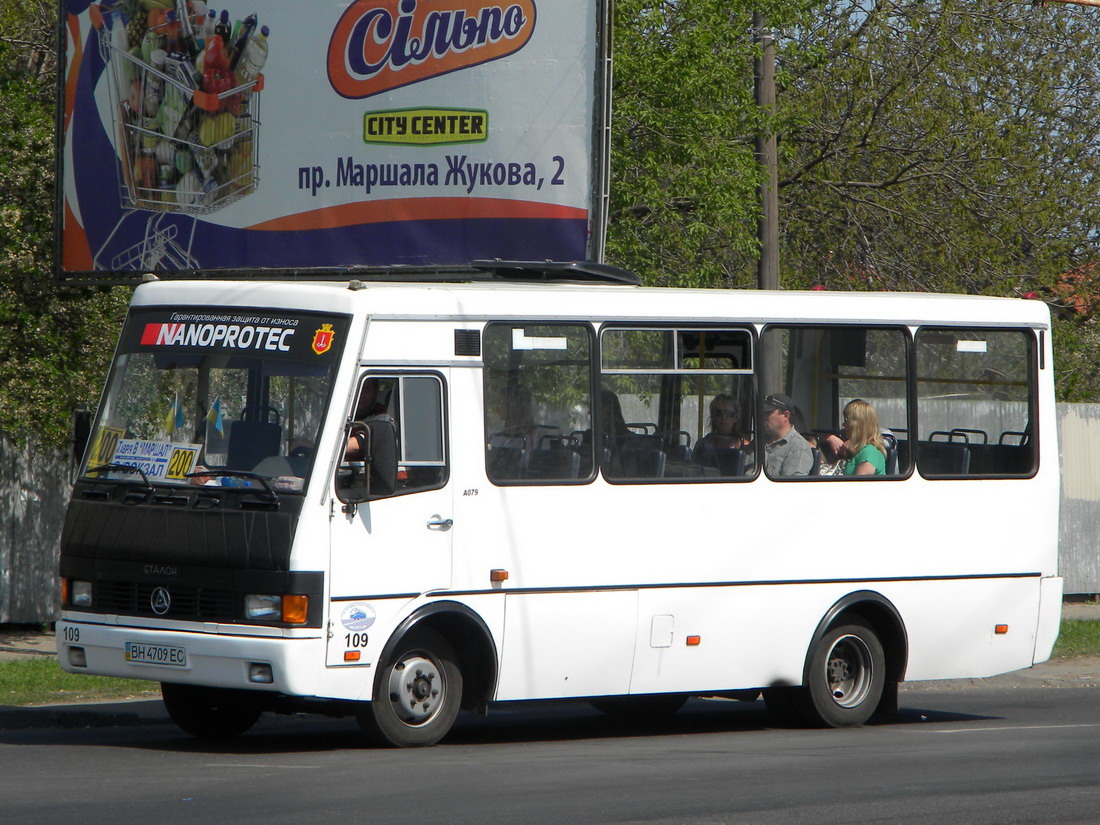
(976, 399)
(676, 404)
(538, 422)
(415, 405)
(821, 370)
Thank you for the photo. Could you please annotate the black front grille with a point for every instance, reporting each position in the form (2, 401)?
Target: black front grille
(186, 602)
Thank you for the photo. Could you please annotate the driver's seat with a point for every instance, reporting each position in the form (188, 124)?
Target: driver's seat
(250, 442)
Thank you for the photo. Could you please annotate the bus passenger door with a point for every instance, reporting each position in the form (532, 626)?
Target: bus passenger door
(392, 549)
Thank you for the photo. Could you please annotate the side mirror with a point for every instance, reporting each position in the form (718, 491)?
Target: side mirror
(82, 431)
(382, 458)
(369, 468)
(352, 477)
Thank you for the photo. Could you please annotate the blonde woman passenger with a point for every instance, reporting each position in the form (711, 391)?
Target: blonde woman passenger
(862, 443)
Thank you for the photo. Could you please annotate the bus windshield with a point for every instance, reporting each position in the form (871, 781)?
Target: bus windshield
(216, 398)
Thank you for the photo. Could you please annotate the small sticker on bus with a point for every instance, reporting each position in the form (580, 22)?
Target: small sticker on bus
(521, 341)
(358, 616)
(971, 346)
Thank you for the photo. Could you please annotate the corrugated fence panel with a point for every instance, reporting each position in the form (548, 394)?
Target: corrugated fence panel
(34, 490)
(1078, 545)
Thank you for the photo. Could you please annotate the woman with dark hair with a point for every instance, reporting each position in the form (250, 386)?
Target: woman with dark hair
(726, 431)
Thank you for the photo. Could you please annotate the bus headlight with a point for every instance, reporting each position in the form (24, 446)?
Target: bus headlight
(80, 593)
(262, 607)
(269, 608)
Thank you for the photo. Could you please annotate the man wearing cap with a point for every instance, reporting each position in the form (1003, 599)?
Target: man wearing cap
(786, 452)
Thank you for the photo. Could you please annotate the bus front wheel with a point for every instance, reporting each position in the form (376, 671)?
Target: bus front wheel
(845, 676)
(210, 713)
(417, 695)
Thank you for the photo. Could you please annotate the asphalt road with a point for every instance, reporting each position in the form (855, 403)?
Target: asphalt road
(966, 756)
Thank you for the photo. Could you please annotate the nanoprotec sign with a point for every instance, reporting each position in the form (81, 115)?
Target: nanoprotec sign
(276, 138)
(314, 338)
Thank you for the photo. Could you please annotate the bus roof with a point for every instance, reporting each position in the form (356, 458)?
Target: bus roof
(582, 301)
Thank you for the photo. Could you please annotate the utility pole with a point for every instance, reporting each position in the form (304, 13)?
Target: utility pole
(767, 271)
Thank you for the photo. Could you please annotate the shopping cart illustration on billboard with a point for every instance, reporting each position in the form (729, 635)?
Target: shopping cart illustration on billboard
(184, 94)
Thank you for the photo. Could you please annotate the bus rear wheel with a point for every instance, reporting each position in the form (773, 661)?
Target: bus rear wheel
(210, 713)
(417, 693)
(845, 676)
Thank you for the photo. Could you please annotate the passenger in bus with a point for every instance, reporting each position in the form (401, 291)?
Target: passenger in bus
(726, 431)
(786, 452)
(862, 444)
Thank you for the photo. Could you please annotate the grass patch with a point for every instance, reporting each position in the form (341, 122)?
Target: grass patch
(1078, 637)
(41, 681)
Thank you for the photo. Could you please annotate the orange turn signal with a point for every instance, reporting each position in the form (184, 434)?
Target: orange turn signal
(498, 575)
(694, 640)
(295, 609)
(351, 655)
(1001, 629)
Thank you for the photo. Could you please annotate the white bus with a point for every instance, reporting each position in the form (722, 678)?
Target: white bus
(400, 500)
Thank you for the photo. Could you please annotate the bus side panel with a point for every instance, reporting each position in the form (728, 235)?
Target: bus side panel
(1050, 617)
(951, 626)
(752, 636)
(344, 679)
(559, 645)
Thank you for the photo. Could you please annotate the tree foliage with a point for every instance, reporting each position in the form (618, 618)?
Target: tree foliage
(944, 145)
(55, 342)
(929, 145)
(684, 178)
(938, 145)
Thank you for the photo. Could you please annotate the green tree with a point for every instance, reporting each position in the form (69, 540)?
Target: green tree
(683, 190)
(930, 145)
(942, 145)
(55, 341)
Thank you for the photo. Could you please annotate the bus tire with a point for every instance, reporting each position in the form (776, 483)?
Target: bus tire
(657, 706)
(845, 676)
(417, 693)
(210, 713)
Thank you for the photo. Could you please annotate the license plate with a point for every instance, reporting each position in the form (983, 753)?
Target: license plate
(167, 655)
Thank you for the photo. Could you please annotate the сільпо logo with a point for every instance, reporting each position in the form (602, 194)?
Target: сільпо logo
(383, 44)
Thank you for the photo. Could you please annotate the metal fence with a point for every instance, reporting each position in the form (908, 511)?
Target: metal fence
(34, 490)
(1079, 536)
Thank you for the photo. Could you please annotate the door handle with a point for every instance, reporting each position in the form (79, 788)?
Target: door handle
(437, 522)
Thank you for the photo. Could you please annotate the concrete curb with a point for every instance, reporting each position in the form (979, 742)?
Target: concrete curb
(95, 715)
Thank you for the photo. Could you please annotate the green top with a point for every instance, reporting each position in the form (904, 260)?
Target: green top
(869, 453)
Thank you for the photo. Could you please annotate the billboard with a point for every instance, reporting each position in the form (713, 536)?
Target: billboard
(279, 137)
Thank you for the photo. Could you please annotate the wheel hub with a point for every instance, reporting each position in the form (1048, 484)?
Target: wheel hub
(848, 671)
(416, 689)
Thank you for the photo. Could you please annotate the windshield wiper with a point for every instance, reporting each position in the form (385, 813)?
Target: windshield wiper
(120, 468)
(274, 499)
